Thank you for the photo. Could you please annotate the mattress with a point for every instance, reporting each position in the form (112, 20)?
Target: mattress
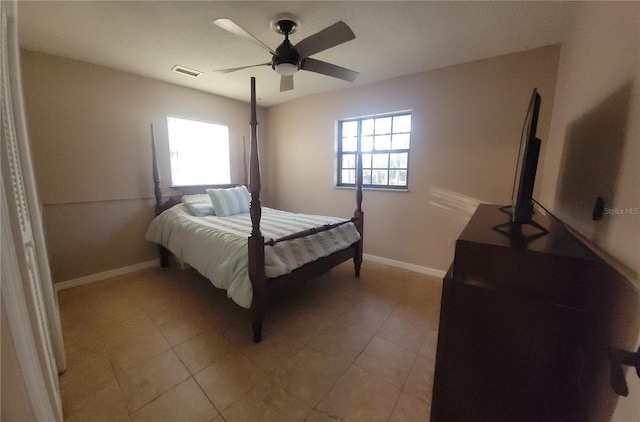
(217, 246)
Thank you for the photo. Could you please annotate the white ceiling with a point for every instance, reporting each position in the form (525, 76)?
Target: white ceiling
(393, 38)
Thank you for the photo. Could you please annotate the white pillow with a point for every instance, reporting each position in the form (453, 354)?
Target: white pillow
(198, 205)
(230, 201)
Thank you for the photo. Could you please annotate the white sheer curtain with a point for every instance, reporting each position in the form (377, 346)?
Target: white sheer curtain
(30, 318)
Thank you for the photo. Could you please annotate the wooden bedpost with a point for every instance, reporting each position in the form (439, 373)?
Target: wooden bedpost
(156, 172)
(245, 174)
(256, 240)
(157, 190)
(358, 215)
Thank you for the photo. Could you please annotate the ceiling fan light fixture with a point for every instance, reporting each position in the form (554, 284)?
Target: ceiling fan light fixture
(286, 69)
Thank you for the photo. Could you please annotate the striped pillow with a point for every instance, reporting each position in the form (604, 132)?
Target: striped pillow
(230, 201)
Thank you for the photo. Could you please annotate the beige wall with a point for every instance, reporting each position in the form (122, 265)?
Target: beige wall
(89, 130)
(467, 121)
(90, 137)
(594, 141)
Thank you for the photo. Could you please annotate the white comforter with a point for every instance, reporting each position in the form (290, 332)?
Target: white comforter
(217, 246)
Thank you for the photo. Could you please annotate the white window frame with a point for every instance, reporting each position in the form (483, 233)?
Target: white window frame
(368, 181)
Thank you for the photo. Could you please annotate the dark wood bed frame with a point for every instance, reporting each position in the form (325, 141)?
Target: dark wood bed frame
(256, 242)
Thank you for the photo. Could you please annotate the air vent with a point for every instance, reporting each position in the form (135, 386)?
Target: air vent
(186, 71)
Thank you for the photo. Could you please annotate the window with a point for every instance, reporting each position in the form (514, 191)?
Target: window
(199, 152)
(383, 142)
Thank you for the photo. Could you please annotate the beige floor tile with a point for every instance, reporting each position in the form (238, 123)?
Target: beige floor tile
(228, 379)
(151, 379)
(159, 300)
(417, 314)
(429, 345)
(137, 350)
(112, 288)
(78, 311)
(83, 340)
(222, 309)
(117, 306)
(267, 402)
(423, 305)
(69, 296)
(236, 330)
(163, 304)
(410, 409)
(272, 351)
(164, 307)
(186, 402)
(387, 360)
(382, 301)
(202, 350)
(329, 306)
(118, 331)
(309, 375)
(420, 380)
(299, 325)
(403, 332)
(360, 396)
(179, 328)
(318, 416)
(342, 340)
(199, 287)
(424, 290)
(366, 317)
(344, 285)
(113, 324)
(84, 373)
(103, 403)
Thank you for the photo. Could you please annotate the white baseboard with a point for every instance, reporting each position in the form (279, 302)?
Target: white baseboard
(104, 275)
(406, 266)
(156, 262)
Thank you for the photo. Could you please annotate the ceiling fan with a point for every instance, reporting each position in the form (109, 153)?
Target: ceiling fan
(288, 59)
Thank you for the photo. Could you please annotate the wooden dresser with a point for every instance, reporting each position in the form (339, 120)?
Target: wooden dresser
(527, 325)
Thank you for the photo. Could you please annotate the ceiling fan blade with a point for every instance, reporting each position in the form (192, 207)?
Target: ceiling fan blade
(329, 69)
(331, 36)
(233, 69)
(286, 83)
(235, 29)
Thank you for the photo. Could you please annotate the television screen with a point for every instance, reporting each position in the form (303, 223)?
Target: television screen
(522, 196)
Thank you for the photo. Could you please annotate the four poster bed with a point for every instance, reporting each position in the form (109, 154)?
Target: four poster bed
(229, 248)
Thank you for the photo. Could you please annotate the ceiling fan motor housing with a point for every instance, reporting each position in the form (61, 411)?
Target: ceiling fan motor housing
(285, 53)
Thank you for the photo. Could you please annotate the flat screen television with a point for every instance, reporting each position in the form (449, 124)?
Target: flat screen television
(521, 209)
(527, 164)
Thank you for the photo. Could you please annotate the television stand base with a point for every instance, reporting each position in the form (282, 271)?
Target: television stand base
(514, 230)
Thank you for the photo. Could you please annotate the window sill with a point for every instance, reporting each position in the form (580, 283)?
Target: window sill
(373, 189)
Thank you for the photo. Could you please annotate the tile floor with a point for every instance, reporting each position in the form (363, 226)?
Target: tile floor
(165, 345)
